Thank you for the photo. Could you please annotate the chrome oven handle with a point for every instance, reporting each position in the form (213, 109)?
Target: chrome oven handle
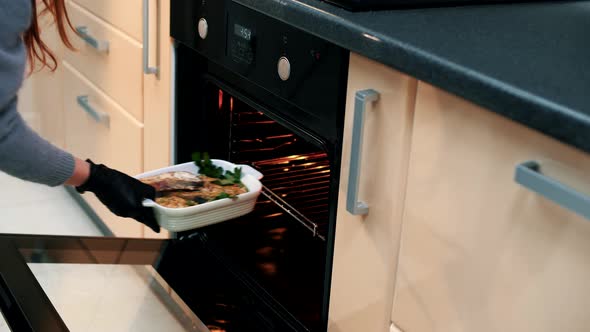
(362, 99)
(99, 45)
(100, 117)
(146, 41)
(529, 175)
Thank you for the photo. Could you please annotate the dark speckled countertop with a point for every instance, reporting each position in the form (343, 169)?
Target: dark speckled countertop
(529, 62)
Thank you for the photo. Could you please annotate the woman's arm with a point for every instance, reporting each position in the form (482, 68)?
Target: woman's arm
(26, 155)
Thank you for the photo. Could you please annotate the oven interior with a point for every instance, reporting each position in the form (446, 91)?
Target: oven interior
(296, 167)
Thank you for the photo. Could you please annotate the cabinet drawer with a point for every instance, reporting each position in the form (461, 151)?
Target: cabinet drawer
(125, 15)
(116, 143)
(479, 251)
(118, 71)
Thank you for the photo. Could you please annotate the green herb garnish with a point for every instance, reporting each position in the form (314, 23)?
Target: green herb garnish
(207, 168)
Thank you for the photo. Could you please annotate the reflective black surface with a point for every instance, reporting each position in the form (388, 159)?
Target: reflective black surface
(24, 304)
(189, 266)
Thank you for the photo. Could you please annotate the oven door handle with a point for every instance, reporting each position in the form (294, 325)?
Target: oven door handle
(362, 99)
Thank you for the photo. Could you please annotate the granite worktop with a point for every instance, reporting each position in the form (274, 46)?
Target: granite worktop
(529, 62)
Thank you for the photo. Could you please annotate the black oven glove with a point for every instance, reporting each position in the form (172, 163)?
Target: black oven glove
(121, 193)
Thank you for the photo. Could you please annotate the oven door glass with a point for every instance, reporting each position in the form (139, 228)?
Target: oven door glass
(51, 283)
(278, 252)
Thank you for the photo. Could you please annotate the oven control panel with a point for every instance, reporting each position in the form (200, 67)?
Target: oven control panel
(288, 62)
(294, 65)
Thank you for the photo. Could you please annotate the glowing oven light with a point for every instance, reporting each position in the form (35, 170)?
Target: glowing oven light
(231, 104)
(220, 100)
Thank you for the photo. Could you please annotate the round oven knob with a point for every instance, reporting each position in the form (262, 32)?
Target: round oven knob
(203, 28)
(284, 68)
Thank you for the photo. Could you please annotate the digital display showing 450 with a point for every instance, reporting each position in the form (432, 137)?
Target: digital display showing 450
(242, 32)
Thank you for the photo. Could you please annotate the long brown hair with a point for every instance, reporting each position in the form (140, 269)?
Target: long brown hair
(37, 50)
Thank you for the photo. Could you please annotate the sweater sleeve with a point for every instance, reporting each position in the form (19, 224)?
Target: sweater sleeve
(26, 155)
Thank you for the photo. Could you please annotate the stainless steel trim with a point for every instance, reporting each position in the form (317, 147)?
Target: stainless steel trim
(362, 98)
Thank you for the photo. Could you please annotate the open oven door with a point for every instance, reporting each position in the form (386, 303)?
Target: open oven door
(54, 283)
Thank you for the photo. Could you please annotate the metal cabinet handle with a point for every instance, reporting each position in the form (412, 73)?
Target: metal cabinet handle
(362, 98)
(99, 45)
(100, 117)
(146, 41)
(529, 175)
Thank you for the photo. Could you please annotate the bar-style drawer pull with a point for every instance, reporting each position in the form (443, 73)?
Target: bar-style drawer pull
(362, 98)
(99, 45)
(529, 175)
(100, 117)
(146, 41)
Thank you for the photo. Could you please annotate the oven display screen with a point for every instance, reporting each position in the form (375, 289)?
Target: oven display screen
(242, 32)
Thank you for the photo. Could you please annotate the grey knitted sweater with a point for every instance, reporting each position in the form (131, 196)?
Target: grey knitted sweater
(23, 153)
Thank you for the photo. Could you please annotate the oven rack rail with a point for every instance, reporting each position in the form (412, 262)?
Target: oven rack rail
(303, 220)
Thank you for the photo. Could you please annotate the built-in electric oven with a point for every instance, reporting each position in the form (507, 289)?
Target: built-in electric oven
(252, 90)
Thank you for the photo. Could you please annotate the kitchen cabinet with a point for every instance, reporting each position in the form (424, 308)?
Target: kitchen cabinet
(479, 251)
(116, 69)
(94, 125)
(366, 244)
(108, 65)
(157, 97)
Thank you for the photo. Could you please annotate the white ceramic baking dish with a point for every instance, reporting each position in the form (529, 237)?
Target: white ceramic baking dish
(182, 219)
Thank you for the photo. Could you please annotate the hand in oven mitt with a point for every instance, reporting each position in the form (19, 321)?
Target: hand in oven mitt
(121, 194)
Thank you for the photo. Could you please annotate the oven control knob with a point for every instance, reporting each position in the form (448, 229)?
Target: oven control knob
(284, 68)
(203, 28)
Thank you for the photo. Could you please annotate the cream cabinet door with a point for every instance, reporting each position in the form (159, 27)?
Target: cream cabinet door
(480, 252)
(366, 245)
(116, 69)
(157, 97)
(99, 129)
